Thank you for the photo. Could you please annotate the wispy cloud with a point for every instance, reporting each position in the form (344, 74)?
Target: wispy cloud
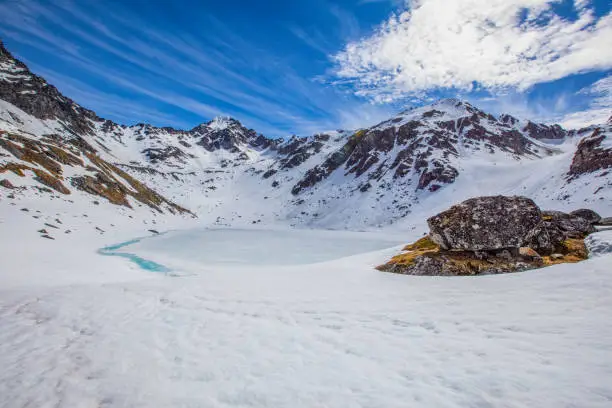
(202, 73)
(600, 109)
(463, 44)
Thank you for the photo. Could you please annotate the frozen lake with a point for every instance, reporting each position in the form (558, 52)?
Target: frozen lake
(258, 247)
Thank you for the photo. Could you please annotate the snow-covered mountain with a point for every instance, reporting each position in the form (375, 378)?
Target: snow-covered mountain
(226, 174)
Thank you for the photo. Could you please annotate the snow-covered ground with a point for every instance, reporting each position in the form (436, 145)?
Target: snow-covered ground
(286, 332)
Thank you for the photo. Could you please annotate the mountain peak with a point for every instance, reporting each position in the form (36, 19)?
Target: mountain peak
(222, 122)
(453, 102)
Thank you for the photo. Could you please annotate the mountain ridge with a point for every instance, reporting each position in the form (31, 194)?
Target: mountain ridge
(375, 176)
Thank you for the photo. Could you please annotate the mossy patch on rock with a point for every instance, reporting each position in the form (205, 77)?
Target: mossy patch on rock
(417, 249)
(425, 258)
(573, 250)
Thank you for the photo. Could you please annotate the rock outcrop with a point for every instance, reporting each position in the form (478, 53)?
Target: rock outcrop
(424, 143)
(486, 223)
(48, 160)
(594, 153)
(492, 235)
(587, 214)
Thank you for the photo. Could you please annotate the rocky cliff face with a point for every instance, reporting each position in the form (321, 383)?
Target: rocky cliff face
(594, 152)
(425, 144)
(36, 97)
(419, 152)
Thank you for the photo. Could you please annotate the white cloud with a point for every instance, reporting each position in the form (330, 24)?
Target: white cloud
(498, 44)
(600, 109)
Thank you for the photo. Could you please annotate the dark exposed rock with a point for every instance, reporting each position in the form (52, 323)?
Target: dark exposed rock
(541, 131)
(7, 184)
(587, 214)
(571, 226)
(157, 155)
(461, 264)
(228, 134)
(508, 120)
(269, 173)
(454, 249)
(424, 146)
(426, 258)
(438, 172)
(486, 223)
(322, 171)
(555, 229)
(35, 96)
(545, 238)
(591, 155)
(298, 150)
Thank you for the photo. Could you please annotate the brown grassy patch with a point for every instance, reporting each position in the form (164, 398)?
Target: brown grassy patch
(573, 250)
(16, 168)
(421, 244)
(63, 156)
(466, 263)
(40, 175)
(50, 181)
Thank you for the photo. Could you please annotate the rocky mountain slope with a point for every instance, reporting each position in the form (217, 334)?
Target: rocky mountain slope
(419, 160)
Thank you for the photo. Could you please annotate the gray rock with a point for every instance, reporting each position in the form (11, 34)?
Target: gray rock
(486, 223)
(556, 228)
(7, 184)
(572, 226)
(589, 215)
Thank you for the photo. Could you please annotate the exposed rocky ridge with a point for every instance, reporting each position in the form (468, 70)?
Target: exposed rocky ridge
(31, 93)
(594, 152)
(54, 163)
(491, 235)
(371, 177)
(426, 144)
(35, 96)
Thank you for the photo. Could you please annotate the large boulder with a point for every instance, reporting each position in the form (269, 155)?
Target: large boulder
(572, 226)
(589, 215)
(555, 229)
(486, 223)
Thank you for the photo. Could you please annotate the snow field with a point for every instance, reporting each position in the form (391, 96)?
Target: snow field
(333, 334)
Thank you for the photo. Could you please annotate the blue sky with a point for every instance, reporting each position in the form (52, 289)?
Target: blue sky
(285, 67)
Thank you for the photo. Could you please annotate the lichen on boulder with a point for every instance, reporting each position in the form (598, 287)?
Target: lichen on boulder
(486, 223)
(493, 235)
